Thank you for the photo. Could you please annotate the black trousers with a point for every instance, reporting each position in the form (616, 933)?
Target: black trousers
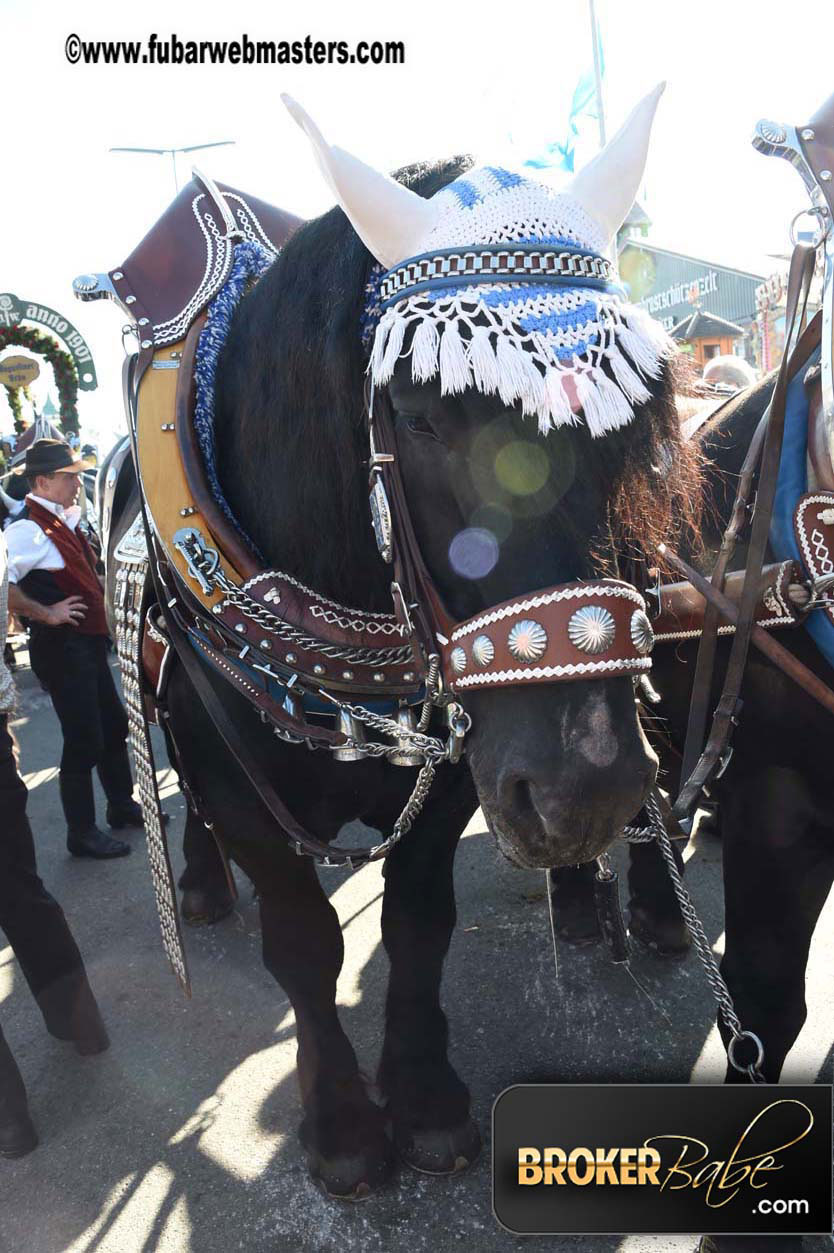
(76, 671)
(33, 920)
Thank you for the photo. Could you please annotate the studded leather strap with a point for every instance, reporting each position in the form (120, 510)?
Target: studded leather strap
(574, 631)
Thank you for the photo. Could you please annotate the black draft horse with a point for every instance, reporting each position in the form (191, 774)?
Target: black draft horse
(773, 806)
(774, 809)
(773, 803)
(292, 453)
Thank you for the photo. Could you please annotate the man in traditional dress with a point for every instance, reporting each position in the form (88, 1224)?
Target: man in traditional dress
(54, 585)
(36, 928)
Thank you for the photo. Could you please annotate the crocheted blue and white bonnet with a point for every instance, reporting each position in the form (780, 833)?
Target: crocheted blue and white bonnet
(501, 283)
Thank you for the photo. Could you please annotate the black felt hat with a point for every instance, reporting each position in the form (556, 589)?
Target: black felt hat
(52, 456)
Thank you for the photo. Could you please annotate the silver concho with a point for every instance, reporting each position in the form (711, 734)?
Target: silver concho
(591, 629)
(642, 635)
(381, 519)
(527, 640)
(483, 650)
(458, 660)
(772, 132)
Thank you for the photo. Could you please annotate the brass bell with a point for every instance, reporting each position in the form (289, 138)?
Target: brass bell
(404, 753)
(350, 727)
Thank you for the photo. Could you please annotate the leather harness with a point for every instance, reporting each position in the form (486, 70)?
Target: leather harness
(271, 637)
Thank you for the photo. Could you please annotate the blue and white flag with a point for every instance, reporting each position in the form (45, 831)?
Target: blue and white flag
(584, 107)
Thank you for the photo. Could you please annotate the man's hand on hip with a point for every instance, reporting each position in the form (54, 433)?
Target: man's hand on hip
(67, 612)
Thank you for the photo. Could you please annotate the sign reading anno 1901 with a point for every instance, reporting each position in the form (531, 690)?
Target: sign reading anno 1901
(13, 310)
(18, 371)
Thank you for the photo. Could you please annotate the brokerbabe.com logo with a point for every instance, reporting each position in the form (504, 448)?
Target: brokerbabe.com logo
(616, 1159)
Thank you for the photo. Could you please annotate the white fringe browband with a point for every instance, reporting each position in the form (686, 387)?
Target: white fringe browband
(523, 343)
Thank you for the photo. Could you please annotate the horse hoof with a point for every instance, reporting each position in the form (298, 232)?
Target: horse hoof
(353, 1177)
(447, 1151)
(200, 908)
(664, 937)
(361, 1192)
(579, 932)
(576, 922)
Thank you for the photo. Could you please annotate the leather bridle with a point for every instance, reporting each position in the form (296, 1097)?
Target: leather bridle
(578, 630)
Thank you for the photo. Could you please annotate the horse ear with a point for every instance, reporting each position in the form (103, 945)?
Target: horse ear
(607, 186)
(389, 219)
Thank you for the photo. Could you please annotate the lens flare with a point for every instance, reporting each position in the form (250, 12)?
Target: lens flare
(522, 468)
(473, 552)
(494, 518)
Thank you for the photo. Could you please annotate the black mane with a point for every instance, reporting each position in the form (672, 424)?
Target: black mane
(291, 438)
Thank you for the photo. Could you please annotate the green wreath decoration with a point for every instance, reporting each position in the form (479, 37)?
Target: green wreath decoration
(63, 367)
(13, 395)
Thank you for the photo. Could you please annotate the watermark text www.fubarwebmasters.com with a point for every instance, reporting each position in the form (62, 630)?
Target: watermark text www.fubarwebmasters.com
(172, 50)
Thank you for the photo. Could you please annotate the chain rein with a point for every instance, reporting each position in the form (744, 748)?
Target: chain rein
(656, 831)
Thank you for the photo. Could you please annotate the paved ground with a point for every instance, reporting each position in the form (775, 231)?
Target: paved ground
(182, 1137)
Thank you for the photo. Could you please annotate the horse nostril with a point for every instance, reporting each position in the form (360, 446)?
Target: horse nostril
(522, 800)
(514, 794)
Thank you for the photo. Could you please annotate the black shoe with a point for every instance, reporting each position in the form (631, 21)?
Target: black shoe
(17, 1135)
(129, 815)
(95, 843)
(201, 908)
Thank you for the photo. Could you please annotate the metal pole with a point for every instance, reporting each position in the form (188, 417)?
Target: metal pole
(161, 152)
(597, 73)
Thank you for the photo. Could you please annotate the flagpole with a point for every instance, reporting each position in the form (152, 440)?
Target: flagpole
(597, 73)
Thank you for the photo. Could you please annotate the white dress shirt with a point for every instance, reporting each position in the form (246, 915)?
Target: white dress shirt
(7, 688)
(29, 548)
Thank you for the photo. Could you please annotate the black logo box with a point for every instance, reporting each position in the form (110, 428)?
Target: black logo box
(609, 1116)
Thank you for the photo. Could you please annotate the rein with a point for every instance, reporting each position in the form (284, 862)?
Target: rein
(702, 764)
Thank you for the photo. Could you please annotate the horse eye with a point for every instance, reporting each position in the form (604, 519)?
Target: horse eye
(418, 425)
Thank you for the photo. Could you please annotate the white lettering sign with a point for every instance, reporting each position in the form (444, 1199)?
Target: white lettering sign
(687, 291)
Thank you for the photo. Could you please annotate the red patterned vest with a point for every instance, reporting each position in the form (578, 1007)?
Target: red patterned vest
(78, 577)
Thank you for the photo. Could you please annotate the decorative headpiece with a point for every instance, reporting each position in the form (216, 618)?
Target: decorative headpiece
(503, 282)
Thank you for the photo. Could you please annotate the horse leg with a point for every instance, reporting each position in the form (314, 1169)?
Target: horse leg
(654, 915)
(572, 904)
(778, 868)
(777, 873)
(343, 1132)
(655, 919)
(710, 821)
(206, 894)
(427, 1101)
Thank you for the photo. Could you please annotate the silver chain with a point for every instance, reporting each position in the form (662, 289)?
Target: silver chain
(414, 804)
(432, 748)
(202, 563)
(258, 613)
(429, 745)
(657, 831)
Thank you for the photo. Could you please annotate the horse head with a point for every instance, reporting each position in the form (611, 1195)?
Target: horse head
(537, 444)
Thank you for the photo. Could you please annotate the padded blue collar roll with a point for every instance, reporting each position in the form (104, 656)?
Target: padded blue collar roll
(791, 484)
